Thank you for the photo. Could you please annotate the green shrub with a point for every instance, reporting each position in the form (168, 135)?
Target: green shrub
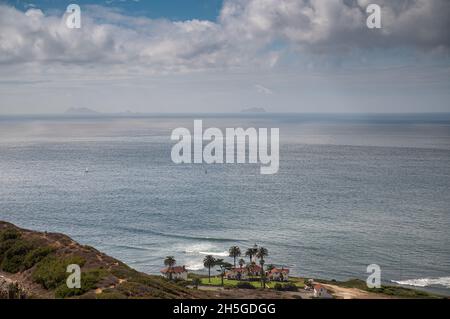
(35, 256)
(4, 246)
(9, 233)
(134, 289)
(13, 258)
(18, 254)
(51, 271)
(278, 286)
(125, 272)
(182, 282)
(245, 285)
(51, 274)
(8, 238)
(290, 287)
(89, 281)
(286, 287)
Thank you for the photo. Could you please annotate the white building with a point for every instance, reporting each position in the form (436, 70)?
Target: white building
(279, 274)
(237, 274)
(321, 292)
(178, 272)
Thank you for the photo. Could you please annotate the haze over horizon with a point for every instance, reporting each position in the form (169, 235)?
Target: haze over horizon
(224, 56)
(94, 112)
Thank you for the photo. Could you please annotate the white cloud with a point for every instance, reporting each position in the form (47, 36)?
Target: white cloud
(246, 35)
(340, 24)
(316, 55)
(109, 38)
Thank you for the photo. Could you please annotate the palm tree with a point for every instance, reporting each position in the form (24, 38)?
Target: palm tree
(251, 252)
(262, 252)
(235, 252)
(241, 262)
(170, 262)
(209, 261)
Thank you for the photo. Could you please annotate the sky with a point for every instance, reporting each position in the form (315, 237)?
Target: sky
(224, 56)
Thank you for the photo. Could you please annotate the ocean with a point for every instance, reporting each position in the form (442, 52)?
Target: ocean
(352, 190)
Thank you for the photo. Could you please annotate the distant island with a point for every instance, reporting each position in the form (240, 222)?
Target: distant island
(80, 111)
(254, 110)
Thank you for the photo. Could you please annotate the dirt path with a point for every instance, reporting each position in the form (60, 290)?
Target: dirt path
(220, 292)
(353, 293)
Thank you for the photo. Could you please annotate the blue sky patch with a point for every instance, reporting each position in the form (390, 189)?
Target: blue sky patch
(174, 10)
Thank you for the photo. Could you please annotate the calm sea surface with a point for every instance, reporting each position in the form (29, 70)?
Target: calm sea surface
(351, 191)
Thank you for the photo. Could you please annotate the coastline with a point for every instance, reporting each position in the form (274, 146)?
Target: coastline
(109, 278)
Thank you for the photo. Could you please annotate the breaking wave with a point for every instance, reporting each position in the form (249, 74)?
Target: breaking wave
(205, 249)
(193, 266)
(220, 254)
(425, 282)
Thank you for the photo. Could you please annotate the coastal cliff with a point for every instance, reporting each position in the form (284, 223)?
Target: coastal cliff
(33, 265)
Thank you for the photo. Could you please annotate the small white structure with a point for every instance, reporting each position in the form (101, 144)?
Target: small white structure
(321, 292)
(178, 272)
(279, 274)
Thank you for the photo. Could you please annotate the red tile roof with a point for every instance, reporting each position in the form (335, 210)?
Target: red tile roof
(254, 268)
(318, 287)
(276, 270)
(238, 269)
(174, 270)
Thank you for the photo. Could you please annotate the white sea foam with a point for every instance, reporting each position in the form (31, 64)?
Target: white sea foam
(212, 253)
(194, 265)
(194, 253)
(425, 282)
(205, 249)
(197, 248)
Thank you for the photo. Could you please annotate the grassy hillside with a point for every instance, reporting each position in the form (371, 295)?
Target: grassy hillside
(36, 262)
